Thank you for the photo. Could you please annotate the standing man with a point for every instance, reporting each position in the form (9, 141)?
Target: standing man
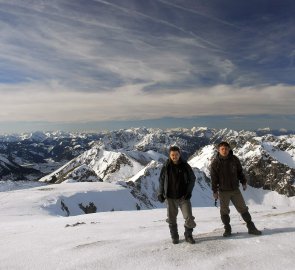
(226, 173)
(177, 181)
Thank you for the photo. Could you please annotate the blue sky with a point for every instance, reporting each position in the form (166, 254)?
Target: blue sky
(91, 64)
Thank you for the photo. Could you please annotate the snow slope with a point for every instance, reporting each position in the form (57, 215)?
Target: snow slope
(34, 234)
(203, 159)
(286, 157)
(110, 166)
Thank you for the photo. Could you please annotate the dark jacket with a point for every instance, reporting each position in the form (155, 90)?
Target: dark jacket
(226, 173)
(188, 178)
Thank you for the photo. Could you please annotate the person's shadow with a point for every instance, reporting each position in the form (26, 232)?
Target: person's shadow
(241, 235)
(267, 231)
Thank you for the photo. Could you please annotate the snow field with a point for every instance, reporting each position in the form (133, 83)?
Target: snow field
(32, 237)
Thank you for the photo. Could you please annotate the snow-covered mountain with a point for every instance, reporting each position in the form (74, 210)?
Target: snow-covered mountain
(119, 156)
(11, 170)
(158, 140)
(268, 161)
(37, 154)
(107, 166)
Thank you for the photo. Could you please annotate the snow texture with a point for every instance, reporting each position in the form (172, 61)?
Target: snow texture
(35, 234)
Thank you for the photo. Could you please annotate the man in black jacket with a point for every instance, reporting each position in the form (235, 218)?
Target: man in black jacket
(177, 181)
(226, 173)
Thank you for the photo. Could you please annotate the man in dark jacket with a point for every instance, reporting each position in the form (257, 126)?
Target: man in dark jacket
(226, 173)
(177, 181)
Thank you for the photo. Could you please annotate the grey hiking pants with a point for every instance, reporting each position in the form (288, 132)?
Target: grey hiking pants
(236, 198)
(186, 209)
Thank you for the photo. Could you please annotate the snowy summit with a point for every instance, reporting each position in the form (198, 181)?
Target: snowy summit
(35, 233)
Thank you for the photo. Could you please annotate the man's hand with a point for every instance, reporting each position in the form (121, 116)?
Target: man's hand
(161, 198)
(215, 195)
(244, 187)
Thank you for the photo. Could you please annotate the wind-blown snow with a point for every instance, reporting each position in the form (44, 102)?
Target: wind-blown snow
(34, 234)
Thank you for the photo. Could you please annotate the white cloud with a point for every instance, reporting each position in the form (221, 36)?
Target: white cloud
(102, 61)
(55, 103)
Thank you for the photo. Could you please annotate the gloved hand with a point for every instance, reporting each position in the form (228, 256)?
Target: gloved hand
(161, 198)
(187, 196)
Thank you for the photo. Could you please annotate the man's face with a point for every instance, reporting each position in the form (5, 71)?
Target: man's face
(223, 151)
(174, 156)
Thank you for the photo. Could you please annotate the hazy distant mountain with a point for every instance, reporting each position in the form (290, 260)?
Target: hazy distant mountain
(39, 153)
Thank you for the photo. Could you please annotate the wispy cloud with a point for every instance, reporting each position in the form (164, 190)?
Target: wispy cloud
(123, 103)
(128, 59)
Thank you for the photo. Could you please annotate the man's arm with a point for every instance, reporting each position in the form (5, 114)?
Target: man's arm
(240, 173)
(214, 176)
(161, 181)
(192, 179)
(161, 197)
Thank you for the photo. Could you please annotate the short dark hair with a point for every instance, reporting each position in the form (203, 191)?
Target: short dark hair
(226, 144)
(174, 148)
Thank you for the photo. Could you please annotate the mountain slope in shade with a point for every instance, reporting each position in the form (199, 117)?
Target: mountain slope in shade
(9, 167)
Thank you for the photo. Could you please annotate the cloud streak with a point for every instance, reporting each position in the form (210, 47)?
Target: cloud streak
(106, 60)
(134, 104)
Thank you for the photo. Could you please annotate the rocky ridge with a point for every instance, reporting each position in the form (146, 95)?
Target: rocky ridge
(133, 157)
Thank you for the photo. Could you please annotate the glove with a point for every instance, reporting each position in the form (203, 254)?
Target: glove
(161, 198)
(187, 196)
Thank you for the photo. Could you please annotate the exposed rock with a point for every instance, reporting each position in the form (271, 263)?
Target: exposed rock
(88, 209)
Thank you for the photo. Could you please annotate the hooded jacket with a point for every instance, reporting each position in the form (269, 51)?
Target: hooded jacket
(226, 173)
(188, 177)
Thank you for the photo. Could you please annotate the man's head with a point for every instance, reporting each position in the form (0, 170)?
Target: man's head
(223, 149)
(174, 154)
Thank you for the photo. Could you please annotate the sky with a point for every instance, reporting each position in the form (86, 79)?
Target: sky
(113, 64)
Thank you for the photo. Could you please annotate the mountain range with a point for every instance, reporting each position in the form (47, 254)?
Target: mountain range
(133, 158)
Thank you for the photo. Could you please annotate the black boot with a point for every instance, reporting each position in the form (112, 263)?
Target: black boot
(250, 225)
(188, 235)
(227, 228)
(174, 233)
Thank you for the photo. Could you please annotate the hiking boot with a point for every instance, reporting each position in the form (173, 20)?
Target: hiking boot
(188, 235)
(252, 229)
(175, 240)
(190, 239)
(227, 231)
(227, 228)
(174, 233)
(250, 225)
